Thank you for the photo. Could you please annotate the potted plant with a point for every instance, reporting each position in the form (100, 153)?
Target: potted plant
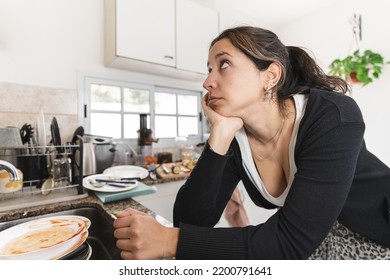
(360, 67)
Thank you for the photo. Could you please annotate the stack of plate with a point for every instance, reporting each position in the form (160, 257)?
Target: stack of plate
(47, 238)
(119, 178)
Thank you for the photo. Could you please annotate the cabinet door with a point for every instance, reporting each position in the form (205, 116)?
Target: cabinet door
(146, 30)
(196, 27)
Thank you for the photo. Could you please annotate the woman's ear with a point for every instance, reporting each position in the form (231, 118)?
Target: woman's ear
(273, 74)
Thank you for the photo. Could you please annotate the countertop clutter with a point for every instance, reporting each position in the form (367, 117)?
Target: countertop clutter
(90, 201)
(100, 243)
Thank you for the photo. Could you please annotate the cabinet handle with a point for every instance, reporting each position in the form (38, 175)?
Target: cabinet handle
(168, 56)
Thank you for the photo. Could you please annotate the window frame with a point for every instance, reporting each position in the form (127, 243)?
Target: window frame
(85, 106)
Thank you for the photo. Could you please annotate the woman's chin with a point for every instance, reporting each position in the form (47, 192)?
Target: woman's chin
(224, 112)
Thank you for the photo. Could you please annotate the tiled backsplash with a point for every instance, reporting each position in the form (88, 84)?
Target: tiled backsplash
(21, 104)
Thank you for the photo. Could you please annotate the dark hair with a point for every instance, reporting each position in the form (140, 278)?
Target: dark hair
(299, 71)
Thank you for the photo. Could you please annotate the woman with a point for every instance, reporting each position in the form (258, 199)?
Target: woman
(288, 132)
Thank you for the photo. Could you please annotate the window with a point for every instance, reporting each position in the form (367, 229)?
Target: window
(113, 109)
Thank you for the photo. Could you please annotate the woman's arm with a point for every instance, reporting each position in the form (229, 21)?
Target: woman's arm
(203, 197)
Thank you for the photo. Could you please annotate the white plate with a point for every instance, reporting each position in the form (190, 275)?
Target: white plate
(105, 188)
(43, 239)
(127, 171)
(41, 131)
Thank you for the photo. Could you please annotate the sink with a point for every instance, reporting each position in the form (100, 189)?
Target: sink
(101, 232)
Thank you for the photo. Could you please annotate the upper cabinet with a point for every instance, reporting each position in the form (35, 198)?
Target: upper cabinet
(163, 37)
(145, 30)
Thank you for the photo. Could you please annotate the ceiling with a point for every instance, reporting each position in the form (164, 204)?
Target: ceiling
(271, 12)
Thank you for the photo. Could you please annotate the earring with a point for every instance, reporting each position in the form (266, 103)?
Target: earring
(268, 94)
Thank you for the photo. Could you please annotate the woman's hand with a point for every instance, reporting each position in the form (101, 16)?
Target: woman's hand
(222, 128)
(141, 237)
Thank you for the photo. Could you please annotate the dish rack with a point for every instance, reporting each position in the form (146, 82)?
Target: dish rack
(32, 193)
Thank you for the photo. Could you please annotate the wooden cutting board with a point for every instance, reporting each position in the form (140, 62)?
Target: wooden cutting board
(184, 172)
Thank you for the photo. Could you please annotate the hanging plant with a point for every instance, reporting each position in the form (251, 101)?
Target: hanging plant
(360, 67)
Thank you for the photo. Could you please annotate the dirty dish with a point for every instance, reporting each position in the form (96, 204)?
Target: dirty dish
(127, 171)
(41, 132)
(91, 183)
(45, 238)
(47, 186)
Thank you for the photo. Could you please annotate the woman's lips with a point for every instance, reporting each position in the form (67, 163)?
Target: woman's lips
(212, 100)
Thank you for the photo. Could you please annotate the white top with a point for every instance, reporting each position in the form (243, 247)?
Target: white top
(249, 164)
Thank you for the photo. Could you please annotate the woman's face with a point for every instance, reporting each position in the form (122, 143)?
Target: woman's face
(234, 84)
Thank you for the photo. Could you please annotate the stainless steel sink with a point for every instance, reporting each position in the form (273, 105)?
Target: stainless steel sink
(100, 238)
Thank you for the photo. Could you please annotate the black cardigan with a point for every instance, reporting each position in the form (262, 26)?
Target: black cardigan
(336, 179)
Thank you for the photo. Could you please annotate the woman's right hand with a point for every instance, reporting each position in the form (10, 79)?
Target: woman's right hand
(222, 129)
(140, 236)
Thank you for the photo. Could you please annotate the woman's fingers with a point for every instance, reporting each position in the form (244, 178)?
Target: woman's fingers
(128, 212)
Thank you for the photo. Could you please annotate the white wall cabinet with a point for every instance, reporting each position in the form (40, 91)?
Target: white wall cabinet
(145, 30)
(163, 37)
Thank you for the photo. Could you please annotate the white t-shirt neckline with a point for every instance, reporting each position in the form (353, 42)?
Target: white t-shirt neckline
(300, 101)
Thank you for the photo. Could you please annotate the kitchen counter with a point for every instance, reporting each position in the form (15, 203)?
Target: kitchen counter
(90, 201)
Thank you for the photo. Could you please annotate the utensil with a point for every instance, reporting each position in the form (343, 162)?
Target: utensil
(153, 171)
(26, 133)
(131, 178)
(118, 185)
(115, 181)
(55, 136)
(100, 183)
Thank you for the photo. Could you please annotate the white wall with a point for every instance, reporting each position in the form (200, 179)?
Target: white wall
(50, 43)
(328, 35)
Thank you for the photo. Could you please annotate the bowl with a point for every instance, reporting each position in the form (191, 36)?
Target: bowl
(7, 186)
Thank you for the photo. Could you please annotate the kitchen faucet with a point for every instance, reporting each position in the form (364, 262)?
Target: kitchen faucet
(13, 172)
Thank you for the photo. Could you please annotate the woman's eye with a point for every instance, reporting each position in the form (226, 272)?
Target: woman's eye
(224, 64)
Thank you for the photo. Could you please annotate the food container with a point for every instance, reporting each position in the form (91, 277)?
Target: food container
(7, 186)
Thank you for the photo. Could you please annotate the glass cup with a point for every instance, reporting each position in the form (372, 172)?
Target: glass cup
(62, 172)
(186, 154)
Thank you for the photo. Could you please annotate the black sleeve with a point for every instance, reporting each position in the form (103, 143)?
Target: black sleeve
(203, 197)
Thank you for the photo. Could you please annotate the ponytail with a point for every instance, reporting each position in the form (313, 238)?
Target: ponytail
(303, 73)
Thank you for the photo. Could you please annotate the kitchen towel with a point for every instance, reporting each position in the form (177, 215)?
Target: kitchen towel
(141, 189)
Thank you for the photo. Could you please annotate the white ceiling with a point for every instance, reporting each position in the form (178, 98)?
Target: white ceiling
(272, 12)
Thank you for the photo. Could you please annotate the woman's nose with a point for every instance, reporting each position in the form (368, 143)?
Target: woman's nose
(209, 82)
